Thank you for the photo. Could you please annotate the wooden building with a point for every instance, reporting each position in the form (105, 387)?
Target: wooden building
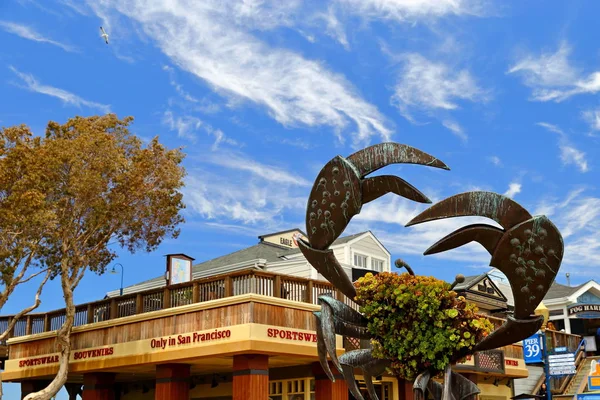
(236, 327)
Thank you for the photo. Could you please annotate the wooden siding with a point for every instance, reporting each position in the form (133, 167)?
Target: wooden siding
(238, 314)
(299, 269)
(367, 246)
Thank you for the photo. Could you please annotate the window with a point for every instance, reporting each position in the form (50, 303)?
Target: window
(360, 260)
(377, 265)
(295, 389)
(276, 390)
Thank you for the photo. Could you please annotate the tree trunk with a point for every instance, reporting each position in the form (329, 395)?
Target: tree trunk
(63, 342)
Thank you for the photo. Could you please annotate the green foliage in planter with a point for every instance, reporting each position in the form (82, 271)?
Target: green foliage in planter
(418, 322)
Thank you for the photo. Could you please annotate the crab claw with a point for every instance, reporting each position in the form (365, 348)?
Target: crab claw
(339, 192)
(528, 250)
(340, 189)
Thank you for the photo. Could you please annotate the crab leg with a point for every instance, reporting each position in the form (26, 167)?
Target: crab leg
(420, 385)
(371, 366)
(463, 388)
(334, 318)
(331, 310)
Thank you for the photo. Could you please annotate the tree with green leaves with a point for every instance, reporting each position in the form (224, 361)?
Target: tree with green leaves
(69, 199)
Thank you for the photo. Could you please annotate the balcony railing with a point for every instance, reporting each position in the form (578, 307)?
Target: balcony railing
(206, 289)
(197, 291)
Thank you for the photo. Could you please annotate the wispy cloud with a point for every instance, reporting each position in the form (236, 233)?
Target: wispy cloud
(569, 154)
(576, 215)
(455, 128)
(401, 10)
(416, 239)
(578, 218)
(27, 32)
(187, 127)
(33, 85)
(212, 40)
(245, 191)
(334, 27)
(495, 160)
(271, 173)
(514, 188)
(552, 77)
(593, 119)
(177, 86)
(428, 86)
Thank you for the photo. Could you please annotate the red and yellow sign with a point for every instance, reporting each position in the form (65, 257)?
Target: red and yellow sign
(209, 343)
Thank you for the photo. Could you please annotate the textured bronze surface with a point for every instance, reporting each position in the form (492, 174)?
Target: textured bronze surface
(528, 250)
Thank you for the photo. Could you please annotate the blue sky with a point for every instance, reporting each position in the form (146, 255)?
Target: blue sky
(262, 93)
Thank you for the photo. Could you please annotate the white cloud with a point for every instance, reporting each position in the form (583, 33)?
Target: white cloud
(552, 77)
(29, 33)
(577, 216)
(514, 188)
(187, 126)
(431, 87)
(178, 88)
(402, 10)
(335, 28)
(416, 239)
(65, 96)
(495, 160)
(240, 162)
(593, 118)
(211, 40)
(245, 191)
(455, 128)
(569, 154)
(578, 219)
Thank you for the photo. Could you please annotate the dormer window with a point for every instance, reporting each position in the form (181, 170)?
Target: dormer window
(377, 265)
(360, 260)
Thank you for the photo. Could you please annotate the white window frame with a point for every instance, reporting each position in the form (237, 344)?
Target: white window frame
(382, 269)
(364, 256)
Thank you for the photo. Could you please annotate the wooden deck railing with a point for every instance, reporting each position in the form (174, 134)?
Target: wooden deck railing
(215, 287)
(200, 290)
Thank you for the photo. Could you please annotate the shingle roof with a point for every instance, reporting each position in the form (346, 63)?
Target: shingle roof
(469, 281)
(263, 250)
(557, 291)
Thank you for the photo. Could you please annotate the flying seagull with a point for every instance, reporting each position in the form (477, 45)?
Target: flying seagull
(104, 35)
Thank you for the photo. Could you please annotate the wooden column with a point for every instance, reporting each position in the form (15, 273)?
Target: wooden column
(99, 386)
(325, 389)
(406, 390)
(32, 387)
(172, 381)
(251, 377)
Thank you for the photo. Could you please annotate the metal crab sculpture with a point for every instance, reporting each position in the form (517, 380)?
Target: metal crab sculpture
(528, 250)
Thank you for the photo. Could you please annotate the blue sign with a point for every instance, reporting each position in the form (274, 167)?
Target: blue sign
(594, 383)
(588, 396)
(532, 349)
(560, 349)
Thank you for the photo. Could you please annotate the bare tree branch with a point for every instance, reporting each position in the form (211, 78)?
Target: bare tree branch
(27, 310)
(34, 275)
